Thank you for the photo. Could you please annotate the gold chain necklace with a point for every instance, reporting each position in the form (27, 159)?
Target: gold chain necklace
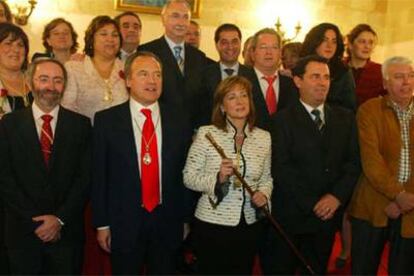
(147, 159)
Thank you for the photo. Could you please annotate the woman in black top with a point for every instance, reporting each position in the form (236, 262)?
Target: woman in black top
(326, 41)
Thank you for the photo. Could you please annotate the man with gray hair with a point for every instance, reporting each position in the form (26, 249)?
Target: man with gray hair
(182, 63)
(382, 207)
(44, 176)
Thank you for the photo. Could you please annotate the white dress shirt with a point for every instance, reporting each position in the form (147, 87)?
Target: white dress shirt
(224, 75)
(264, 84)
(37, 115)
(172, 44)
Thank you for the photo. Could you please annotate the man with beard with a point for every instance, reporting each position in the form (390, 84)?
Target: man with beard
(44, 176)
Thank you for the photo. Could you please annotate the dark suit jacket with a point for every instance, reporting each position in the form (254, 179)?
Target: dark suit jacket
(116, 196)
(211, 79)
(29, 189)
(182, 91)
(288, 95)
(308, 164)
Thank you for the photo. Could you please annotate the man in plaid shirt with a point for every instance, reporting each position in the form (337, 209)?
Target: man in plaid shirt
(382, 207)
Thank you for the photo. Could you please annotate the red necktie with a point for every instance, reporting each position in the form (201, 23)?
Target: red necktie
(46, 138)
(149, 164)
(271, 100)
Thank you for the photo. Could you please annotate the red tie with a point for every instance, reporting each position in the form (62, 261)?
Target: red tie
(46, 138)
(271, 100)
(149, 164)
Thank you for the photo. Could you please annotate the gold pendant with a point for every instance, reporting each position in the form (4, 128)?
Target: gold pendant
(147, 158)
(108, 97)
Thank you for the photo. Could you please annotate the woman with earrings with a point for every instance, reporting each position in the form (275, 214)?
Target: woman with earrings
(227, 226)
(97, 83)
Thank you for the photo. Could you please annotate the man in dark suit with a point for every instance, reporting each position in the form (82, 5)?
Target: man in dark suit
(138, 198)
(182, 64)
(272, 91)
(44, 176)
(228, 44)
(316, 165)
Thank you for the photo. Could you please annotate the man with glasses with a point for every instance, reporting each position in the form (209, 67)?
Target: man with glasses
(271, 91)
(44, 176)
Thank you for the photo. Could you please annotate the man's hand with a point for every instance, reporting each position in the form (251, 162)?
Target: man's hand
(326, 207)
(405, 201)
(259, 199)
(49, 230)
(392, 210)
(104, 239)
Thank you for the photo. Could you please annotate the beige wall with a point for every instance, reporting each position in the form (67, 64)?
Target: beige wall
(392, 19)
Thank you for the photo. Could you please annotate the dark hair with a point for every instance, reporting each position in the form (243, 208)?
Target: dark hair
(32, 68)
(218, 118)
(97, 23)
(127, 13)
(227, 27)
(130, 60)
(314, 39)
(15, 32)
(195, 23)
(357, 30)
(7, 12)
(300, 68)
(266, 31)
(53, 24)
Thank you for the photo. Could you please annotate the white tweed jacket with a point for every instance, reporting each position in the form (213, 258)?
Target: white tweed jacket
(203, 164)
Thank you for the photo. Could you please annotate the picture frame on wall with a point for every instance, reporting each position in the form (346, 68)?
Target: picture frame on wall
(152, 6)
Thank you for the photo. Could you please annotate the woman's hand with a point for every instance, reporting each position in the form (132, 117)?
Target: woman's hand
(226, 170)
(259, 199)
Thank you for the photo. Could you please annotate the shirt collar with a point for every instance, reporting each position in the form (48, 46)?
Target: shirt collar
(260, 75)
(235, 67)
(136, 107)
(38, 113)
(310, 108)
(172, 44)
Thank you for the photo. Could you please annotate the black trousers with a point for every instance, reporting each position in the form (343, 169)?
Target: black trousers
(48, 259)
(150, 254)
(226, 250)
(278, 259)
(368, 244)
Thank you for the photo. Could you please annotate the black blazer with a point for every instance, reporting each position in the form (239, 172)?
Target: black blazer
(116, 185)
(181, 90)
(307, 164)
(288, 95)
(29, 189)
(211, 79)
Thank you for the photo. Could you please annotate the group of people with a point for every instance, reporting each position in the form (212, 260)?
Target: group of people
(186, 148)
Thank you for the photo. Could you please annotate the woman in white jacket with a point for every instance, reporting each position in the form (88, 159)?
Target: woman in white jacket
(227, 226)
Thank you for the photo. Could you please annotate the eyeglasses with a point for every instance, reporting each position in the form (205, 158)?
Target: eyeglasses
(45, 80)
(268, 47)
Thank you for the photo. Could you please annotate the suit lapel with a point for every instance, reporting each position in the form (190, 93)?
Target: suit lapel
(304, 119)
(170, 60)
(61, 131)
(126, 135)
(31, 139)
